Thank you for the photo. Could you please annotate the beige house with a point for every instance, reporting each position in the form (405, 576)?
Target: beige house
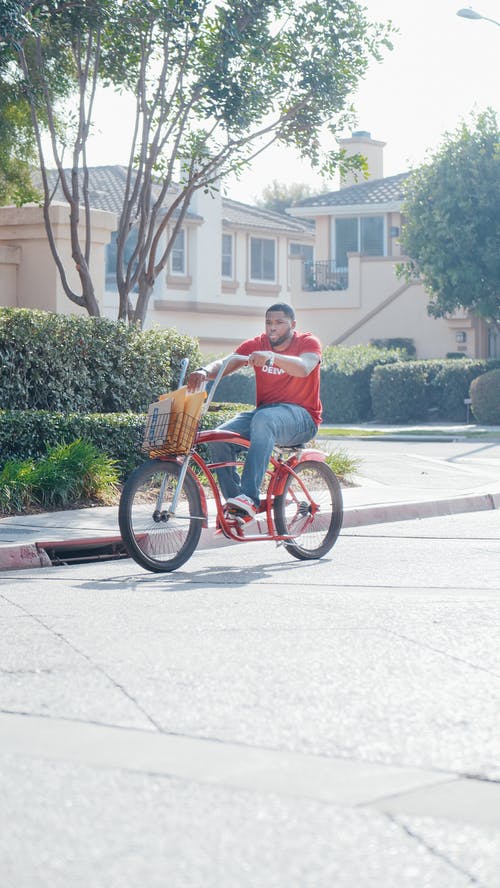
(333, 257)
(351, 292)
(229, 262)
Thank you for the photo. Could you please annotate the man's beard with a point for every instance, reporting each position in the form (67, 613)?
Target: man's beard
(281, 339)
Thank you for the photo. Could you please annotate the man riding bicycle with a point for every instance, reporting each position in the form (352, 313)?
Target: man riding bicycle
(288, 407)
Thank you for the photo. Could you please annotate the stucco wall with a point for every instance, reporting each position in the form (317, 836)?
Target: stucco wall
(37, 281)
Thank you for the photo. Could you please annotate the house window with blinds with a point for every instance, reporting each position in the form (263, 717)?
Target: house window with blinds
(358, 234)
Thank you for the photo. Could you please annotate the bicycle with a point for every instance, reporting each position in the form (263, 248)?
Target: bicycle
(163, 507)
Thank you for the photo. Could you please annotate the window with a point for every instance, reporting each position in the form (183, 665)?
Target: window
(358, 234)
(304, 251)
(262, 259)
(227, 270)
(178, 254)
(111, 255)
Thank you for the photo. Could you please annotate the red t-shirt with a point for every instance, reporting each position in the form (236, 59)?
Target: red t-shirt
(274, 385)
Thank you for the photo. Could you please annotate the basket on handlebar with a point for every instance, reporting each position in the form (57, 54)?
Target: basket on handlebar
(172, 423)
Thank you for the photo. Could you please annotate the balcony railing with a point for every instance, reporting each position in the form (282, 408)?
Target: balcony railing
(323, 276)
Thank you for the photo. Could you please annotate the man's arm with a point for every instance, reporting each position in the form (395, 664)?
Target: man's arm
(302, 365)
(199, 377)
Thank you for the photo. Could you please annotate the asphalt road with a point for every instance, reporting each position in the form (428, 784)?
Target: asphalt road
(251, 720)
(429, 465)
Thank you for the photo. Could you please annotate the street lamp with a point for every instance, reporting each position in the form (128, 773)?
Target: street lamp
(469, 13)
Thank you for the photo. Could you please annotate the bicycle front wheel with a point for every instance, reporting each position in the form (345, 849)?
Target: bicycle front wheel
(310, 510)
(156, 539)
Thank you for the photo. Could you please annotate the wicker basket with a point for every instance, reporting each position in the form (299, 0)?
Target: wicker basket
(170, 434)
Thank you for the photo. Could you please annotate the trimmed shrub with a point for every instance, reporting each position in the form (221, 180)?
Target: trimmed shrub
(485, 396)
(399, 392)
(29, 434)
(415, 387)
(450, 383)
(69, 363)
(238, 387)
(345, 380)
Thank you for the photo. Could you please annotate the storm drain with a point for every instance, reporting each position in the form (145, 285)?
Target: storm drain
(84, 551)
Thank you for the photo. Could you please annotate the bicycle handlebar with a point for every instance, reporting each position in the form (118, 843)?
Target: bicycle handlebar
(219, 375)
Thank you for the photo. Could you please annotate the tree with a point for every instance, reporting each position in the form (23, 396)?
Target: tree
(17, 145)
(279, 195)
(215, 83)
(51, 50)
(452, 228)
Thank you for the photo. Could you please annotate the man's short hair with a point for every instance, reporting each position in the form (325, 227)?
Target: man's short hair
(284, 307)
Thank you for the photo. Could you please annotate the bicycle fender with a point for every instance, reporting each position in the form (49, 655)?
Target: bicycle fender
(208, 435)
(311, 454)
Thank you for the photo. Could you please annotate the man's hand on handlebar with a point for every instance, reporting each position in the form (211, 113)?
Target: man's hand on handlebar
(196, 380)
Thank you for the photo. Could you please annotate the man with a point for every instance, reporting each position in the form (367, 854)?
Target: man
(288, 411)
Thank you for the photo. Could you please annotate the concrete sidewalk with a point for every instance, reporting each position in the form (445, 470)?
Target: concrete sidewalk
(29, 541)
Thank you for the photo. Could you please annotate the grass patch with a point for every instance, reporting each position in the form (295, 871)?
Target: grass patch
(349, 433)
(71, 474)
(343, 464)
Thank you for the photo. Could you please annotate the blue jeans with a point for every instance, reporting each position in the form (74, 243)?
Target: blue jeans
(271, 424)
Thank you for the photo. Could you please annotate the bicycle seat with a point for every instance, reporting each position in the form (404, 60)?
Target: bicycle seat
(291, 448)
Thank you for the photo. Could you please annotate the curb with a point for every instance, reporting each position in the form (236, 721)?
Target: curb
(23, 557)
(384, 513)
(34, 555)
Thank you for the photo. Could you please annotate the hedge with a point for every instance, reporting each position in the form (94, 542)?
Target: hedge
(345, 380)
(406, 392)
(485, 396)
(31, 433)
(80, 364)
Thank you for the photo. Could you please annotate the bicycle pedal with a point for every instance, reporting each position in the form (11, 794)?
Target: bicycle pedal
(238, 515)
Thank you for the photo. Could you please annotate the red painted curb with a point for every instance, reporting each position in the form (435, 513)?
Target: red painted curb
(23, 557)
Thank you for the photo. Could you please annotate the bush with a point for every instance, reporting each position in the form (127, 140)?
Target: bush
(406, 392)
(238, 387)
(69, 363)
(399, 392)
(28, 434)
(404, 345)
(485, 396)
(450, 383)
(345, 381)
(67, 475)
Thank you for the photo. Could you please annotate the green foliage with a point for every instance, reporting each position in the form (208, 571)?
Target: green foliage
(238, 387)
(450, 383)
(399, 392)
(405, 346)
(279, 195)
(452, 230)
(214, 83)
(406, 392)
(28, 434)
(345, 380)
(69, 473)
(485, 396)
(68, 363)
(344, 465)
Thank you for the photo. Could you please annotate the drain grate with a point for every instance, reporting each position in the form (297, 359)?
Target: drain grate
(84, 551)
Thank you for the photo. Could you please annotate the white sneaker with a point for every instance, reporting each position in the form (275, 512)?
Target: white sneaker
(244, 504)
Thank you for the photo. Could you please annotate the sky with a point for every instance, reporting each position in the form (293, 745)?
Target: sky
(442, 68)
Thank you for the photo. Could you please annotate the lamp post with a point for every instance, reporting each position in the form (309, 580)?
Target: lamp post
(469, 13)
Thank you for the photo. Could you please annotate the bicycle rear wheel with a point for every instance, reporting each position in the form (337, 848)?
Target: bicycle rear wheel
(313, 517)
(156, 540)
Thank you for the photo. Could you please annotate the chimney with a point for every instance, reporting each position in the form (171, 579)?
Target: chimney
(361, 142)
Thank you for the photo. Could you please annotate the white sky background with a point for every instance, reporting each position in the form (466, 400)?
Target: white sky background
(441, 69)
